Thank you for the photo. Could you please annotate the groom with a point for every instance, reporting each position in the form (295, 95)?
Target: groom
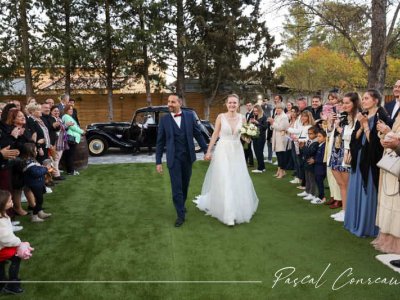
(175, 132)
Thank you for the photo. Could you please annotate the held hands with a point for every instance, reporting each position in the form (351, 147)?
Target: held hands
(159, 169)
(9, 153)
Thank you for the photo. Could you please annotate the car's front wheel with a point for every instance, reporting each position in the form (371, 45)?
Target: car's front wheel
(97, 146)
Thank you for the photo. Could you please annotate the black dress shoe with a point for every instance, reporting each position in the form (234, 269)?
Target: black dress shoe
(395, 263)
(179, 222)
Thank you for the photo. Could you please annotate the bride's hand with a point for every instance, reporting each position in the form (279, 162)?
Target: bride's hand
(207, 157)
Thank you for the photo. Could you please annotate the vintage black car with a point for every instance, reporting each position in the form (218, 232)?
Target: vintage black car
(141, 132)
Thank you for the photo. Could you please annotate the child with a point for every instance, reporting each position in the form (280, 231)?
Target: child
(309, 151)
(8, 244)
(320, 168)
(34, 179)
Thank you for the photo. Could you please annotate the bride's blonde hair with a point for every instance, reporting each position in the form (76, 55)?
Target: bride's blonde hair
(232, 96)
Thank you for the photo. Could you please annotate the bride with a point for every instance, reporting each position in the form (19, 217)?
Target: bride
(228, 193)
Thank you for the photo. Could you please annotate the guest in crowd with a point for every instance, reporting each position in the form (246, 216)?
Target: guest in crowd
(74, 133)
(300, 137)
(248, 152)
(8, 248)
(388, 214)
(393, 106)
(59, 140)
(279, 125)
(320, 168)
(17, 137)
(294, 125)
(50, 102)
(308, 152)
(64, 100)
(260, 121)
(366, 151)
(34, 178)
(75, 114)
(268, 112)
(289, 106)
(335, 105)
(340, 154)
(316, 107)
(39, 130)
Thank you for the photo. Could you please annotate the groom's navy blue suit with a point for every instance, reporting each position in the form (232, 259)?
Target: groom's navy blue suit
(180, 154)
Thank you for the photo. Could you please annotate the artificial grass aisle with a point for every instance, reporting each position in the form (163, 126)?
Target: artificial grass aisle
(115, 222)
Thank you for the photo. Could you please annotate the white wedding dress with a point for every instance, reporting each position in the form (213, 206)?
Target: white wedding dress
(228, 193)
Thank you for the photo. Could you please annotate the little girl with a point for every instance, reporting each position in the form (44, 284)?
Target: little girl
(8, 248)
(34, 179)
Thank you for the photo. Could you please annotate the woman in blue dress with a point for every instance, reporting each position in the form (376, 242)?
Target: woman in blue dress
(366, 151)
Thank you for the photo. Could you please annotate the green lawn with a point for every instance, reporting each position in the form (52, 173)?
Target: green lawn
(115, 223)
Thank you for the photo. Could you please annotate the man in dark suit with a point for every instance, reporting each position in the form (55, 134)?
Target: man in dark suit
(393, 107)
(316, 107)
(64, 99)
(248, 152)
(175, 132)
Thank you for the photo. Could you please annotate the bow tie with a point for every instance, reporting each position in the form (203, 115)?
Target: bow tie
(177, 115)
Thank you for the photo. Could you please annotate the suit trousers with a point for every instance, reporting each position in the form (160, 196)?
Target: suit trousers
(258, 145)
(248, 154)
(180, 174)
(310, 182)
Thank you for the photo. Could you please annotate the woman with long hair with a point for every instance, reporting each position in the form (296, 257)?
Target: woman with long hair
(340, 154)
(366, 150)
(259, 120)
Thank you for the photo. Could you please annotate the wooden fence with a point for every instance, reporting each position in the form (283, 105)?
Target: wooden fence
(94, 107)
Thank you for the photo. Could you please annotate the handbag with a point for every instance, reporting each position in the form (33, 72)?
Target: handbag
(390, 162)
(71, 139)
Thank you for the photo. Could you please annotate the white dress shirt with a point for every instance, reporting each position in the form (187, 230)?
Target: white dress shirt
(177, 119)
(395, 108)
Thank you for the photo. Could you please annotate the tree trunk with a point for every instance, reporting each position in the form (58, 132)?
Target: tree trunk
(377, 70)
(25, 48)
(207, 105)
(67, 45)
(208, 101)
(109, 71)
(145, 58)
(180, 83)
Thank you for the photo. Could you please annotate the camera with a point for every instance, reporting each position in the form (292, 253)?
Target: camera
(343, 119)
(364, 113)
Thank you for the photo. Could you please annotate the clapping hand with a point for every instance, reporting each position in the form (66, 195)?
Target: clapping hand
(382, 127)
(15, 132)
(391, 142)
(9, 153)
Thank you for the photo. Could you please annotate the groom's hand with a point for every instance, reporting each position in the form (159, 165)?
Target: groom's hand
(159, 169)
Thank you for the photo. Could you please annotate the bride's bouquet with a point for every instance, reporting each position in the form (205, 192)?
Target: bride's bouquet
(247, 132)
